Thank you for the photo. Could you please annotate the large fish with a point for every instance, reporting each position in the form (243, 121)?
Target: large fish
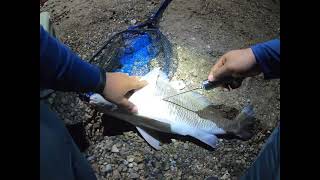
(186, 114)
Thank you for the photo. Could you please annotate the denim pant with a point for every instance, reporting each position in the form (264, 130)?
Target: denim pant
(60, 158)
(267, 164)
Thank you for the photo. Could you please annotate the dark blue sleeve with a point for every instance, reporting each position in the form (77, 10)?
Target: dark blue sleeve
(268, 57)
(61, 69)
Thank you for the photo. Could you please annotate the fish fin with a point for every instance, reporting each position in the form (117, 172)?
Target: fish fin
(149, 138)
(244, 121)
(207, 138)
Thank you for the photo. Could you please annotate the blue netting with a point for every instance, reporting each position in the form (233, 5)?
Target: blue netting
(136, 54)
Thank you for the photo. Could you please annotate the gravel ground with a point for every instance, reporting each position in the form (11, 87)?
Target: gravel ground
(201, 31)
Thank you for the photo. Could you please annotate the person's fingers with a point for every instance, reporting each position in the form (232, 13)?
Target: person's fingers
(136, 78)
(124, 103)
(220, 73)
(215, 67)
(138, 84)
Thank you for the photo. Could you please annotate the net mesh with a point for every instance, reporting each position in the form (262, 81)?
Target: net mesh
(136, 52)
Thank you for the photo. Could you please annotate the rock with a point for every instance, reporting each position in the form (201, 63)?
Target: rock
(175, 157)
(158, 156)
(125, 162)
(114, 149)
(185, 146)
(136, 168)
(130, 158)
(130, 165)
(138, 159)
(106, 169)
(134, 176)
(64, 100)
(141, 166)
(166, 166)
(225, 176)
(124, 169)
(116, 174)
(133, 21)
(90, 158)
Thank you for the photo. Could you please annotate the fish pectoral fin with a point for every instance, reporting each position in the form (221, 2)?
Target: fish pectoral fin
(155, 143)
(207, 138)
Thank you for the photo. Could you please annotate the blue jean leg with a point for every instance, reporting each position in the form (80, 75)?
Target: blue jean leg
(267, 164)
(60, 158)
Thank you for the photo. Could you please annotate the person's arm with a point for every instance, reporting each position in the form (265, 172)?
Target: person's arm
(267, 55)
(241, 63)
(61, 69)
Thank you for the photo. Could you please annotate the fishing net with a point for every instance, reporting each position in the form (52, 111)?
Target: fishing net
(139, 49)
(136, 52)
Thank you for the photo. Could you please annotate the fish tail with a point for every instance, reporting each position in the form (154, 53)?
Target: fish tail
(244, 121)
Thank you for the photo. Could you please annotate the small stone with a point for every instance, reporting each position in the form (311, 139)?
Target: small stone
(124, 169)
(194, 74)
(64, 100)
(130, 158)
(136, 168)
(125, 162)
(134, 176)
(175, 157)
(141, 166)
(158, 156)
(185, 146)
(166, 166)
(133, 21)
(90, 158)
(116, 174)
(114, 149)
(138, 159)
(225, 176)
(107, 169)
(130, 165)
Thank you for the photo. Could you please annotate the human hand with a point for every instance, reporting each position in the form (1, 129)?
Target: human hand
(236, 64)
(119, 87)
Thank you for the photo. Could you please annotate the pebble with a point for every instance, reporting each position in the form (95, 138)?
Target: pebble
(116, 174)
(185, 146)
(136, 168)
(138, 159)
(141, 166)
(90, 158)
(124, 169)
(134, 176)
(64, 100)
(175, 157)
(114, 149)
(130, 158)
(125, 162)
(106, 169)
(166, 166)
(225, 176)
(133, 21)
(130, 165)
